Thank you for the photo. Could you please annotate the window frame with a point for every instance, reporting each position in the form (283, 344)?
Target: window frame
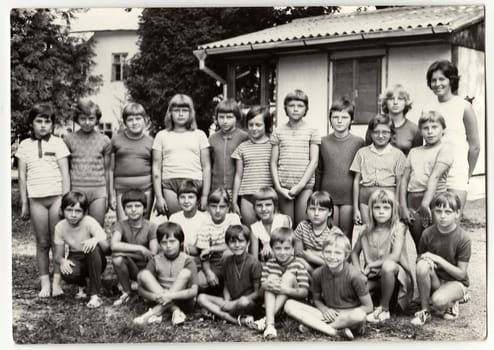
(122, 63)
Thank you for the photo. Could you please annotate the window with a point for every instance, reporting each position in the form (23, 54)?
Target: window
(252, 84)
(360, 79)
(118, 66)
(105, 128)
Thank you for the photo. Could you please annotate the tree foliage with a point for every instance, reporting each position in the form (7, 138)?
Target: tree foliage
(47, 64)
(166, 65)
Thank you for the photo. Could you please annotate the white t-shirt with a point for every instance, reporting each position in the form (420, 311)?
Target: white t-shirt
(181, 153)
(87, 228)
(44, 178)
(259, 231)
(190, 226)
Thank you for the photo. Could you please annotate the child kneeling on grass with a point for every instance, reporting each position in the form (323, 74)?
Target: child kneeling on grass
(444, 252)
(133, 242)
(83, 235)
(242, 275)
(169, 279)
(283, 277)
(339, 292)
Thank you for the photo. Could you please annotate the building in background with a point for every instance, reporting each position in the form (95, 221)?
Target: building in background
(114, 33)
(356, 54)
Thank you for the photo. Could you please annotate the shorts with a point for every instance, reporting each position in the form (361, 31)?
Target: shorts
(144, 183)
(92, 193)
(365, 192)
(174, 184)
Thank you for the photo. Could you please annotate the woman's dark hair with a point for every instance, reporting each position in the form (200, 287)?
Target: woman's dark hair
(448, 69)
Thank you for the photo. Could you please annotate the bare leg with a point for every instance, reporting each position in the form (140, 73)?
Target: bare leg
(364, 214)
(97, 209)
(287, 207)
(309, 316)
(389, 272)
(248, 212)
(446, 294)
(171, 201)
(427, 281)
(349, 318)
(301, 205)
(213, 304)
(120, 211)
(54, 214)
(149, 206)
(120, 265)
(346, 219)
(40, 220)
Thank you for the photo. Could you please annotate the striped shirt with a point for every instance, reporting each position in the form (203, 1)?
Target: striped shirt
(294, 152)
(256, 159)
(296, 267)
(379, 168)
(305, 233)
(87, 162)
(212, 234)
(43, 173)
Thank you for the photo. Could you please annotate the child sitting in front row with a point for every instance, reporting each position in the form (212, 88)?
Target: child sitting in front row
(265, 205)
(242, 274)
(283, 277)
(389, 254)
(133, 242)
(310, 234)
(444, 253)
(339, 292)
(211, 239)
(83, 235)
(169, 279)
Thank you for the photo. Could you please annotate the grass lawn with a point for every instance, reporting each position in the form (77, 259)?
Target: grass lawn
(66, 320)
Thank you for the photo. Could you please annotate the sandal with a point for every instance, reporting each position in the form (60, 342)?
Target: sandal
(94, 302)
(178, 317)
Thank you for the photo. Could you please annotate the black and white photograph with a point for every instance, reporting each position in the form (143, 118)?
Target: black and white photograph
(248, 173)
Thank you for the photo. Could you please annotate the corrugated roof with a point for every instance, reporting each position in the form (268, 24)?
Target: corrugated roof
(400, 21)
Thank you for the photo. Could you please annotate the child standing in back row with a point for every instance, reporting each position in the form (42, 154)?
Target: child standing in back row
(224, 142)
(378, 166)
(294, 157)
(43, 179)
(90, 161)
(425, 174)
(252, 159)
(337, 152)
(131, 158)
(180, 152)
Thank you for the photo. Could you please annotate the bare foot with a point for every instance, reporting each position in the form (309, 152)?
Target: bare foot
(57, 290)
(44, 292)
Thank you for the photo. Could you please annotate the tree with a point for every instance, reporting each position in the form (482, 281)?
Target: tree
(166, 65)
(47, 64)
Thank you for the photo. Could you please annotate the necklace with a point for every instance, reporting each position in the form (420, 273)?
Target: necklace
(239, 273)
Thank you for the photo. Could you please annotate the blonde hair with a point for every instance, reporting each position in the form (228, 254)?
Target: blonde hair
(181, 100)
(340, 240)
(384, 196)
(399, 90)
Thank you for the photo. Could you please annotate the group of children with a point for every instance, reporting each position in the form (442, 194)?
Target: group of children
(224, 237)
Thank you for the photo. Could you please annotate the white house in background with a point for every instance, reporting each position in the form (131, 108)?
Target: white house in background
(114, 33)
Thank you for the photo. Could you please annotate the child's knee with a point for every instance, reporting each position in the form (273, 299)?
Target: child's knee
(118, 261)
(440, 301)
(202, 299)
(358, 316)
(288, 280)
(290, 307)
(423, 268)
(389, 267)
(43, 243)
(143, 275)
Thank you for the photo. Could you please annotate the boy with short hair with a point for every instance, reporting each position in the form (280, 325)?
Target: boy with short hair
(224, 142)
(444, 253)
(242, 275)
(190, 218)
(283, 277)
(339, 291)
(133, 242)
(425, 174)
(169, 279)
